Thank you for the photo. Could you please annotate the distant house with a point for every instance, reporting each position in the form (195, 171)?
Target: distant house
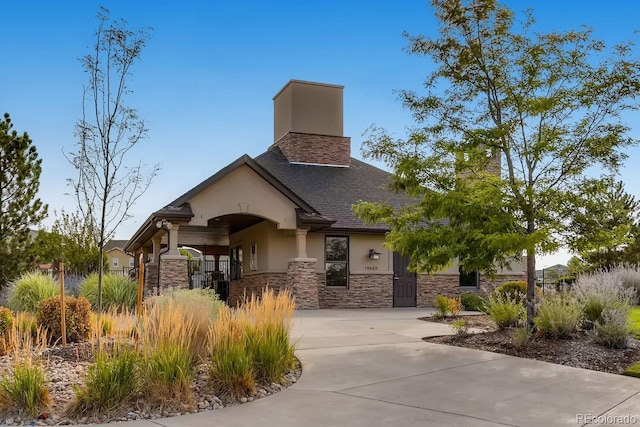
(118, 260)
(551, 274)
(284, 219)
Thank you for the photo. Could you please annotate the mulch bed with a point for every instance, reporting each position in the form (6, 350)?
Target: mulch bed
(579, 351)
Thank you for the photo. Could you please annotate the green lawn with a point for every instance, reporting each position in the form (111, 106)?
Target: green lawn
(634, 321)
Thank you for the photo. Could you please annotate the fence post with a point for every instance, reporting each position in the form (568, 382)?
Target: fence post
(139, 304)
(63, 323)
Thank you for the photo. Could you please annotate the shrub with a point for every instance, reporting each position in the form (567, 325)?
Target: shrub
(520, 337)
(630, 278)
(118, 292)
(29, 289)
(77, 318)
(515, 290)
(25, 389)
(109, 382)
(472, 302)
(447, 306)
(558, 316)
(6, 325)
(461, 327)
(504, 310)
(612, 330)
(593, 306)
(609, 286)
(442, 306)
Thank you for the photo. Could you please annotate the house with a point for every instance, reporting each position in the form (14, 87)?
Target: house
(118, 260)
(284, 219)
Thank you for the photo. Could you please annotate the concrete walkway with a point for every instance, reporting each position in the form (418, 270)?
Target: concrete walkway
(369, 368)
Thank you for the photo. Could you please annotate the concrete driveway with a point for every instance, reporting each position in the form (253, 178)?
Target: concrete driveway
(369, 368)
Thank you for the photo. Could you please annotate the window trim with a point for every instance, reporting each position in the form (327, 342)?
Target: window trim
(461, 271)
(347, 262)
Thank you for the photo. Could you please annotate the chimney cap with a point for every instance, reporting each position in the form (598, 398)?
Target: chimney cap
(305, 82)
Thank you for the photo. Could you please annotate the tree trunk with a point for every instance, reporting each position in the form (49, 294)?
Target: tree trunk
(531, 279)
(100, 274)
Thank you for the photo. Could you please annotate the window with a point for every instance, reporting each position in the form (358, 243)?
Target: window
(336, 260)
(131, 262)
(235, 258)
(469, 279)
(116, 263)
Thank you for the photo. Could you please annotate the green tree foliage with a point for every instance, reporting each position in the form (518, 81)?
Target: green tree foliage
(603, 222)
(510, 122)
(72, 240)
(108, 181)
(20, 170)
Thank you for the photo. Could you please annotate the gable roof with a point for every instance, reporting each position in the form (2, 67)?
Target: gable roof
(257, 168)
(332, 191)
(115, 244)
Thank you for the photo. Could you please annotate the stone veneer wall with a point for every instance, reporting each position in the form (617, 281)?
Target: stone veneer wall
(255, 283)
(430, 286)
(310, 148)
(364, 291)
(302, 280)
(174, 274)
(150, 279)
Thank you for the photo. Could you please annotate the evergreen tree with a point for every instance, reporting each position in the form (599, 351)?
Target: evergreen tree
(20, 170)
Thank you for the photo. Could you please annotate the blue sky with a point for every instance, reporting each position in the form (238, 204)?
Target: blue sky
(208, 75)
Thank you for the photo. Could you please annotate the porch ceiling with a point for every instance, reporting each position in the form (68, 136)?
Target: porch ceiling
(229, 224)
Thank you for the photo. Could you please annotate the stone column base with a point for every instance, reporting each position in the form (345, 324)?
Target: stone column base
(303, 282)
(150, 280)
(174, 273)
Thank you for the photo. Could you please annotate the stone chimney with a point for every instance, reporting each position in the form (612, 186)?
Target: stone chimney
(308, 124)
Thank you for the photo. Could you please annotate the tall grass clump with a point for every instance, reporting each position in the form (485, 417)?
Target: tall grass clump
(118, 292)
(198, 307)
(168, 360)
(268, 334)
(25, 389)
(26, 292)
(505, 311)
(110, 381)
(558, 315)
(231, 369)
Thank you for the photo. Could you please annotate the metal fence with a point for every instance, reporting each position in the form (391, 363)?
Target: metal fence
(207, 274)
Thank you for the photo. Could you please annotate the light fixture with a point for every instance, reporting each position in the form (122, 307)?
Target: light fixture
(373, 254)
(164, 223)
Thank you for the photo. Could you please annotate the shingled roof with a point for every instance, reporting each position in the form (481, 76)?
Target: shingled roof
(333, 190)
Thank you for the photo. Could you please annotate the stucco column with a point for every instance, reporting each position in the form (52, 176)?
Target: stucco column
(156, 248)
(173, 241)
(301, 242)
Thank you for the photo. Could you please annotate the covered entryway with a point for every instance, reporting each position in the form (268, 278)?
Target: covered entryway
(404, 282)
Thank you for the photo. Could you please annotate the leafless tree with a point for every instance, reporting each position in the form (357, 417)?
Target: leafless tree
(108, 180)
